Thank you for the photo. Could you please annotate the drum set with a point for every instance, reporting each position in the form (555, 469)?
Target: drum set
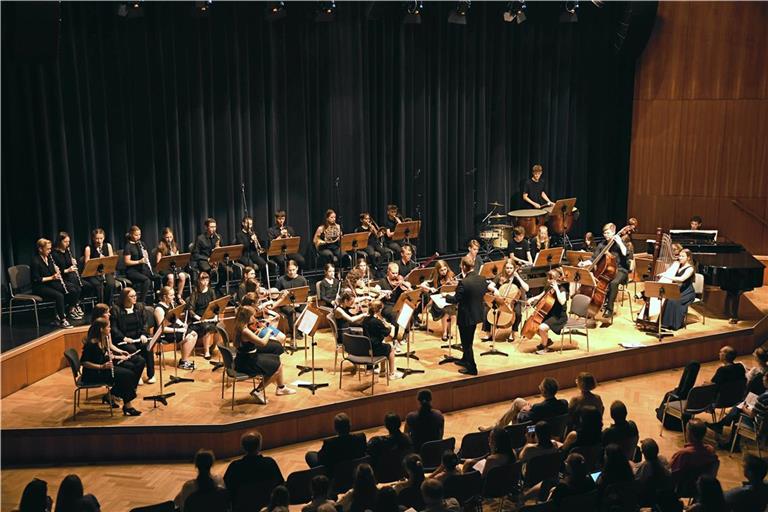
(496, 231)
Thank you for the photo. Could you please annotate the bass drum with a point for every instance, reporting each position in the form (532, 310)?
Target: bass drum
(557, 224)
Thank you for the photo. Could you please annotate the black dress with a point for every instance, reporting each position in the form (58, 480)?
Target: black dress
(558, 315)
(254, 363)
(105, 287)
(198, 302)
(140, 275)
(376, 332)
(436, 312)
(171, 337)
(675, 310)
(126, 377)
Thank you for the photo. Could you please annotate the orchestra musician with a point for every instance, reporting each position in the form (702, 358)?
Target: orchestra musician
(167, 247)
(254, 358)
(541, 241)
(345, 316)
(252, 247)
(557, 317)
(473, 251)
(48, 282)
(622, 255)
(519, 247)
(202, 295)
(405, 264)
(291, 279)
(327, 240)
(392, 286)
(62, 256)
(509, 274)
(533, 192)
(589, 242)
(267, 321)
(138, 267)
(129, 329)
(249, 284)
(174, 331)
(329, 287)
(375, 251)
(283, 230)
(99, 248)
(376, 327)
(393, 219)
(441, 275)
(682, 272)
(100, 365)
(696, 223)
(204, 245)
(469, 298)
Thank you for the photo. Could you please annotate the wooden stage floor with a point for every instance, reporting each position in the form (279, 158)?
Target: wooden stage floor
(40, 415)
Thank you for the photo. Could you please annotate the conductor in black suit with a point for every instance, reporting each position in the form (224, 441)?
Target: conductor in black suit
(345, 446)
(469, 297)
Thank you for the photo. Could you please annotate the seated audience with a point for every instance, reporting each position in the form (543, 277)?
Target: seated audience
(539, 443)
(521, 411)
(386, 501)
(409, 490)
(35, 497)
(749, 413)
(426, 424)
(755, 374)
(204, 460)
(70, 497)
(730, 370)
(589, 431)
(709, 496)
(252, 470)
(344, 446)
(695, 455)
(621, 432)
(586, 382)
(449, 466)
(279, 500)
(576, 480)
(362, 495)
(433, 497)
(395, 440)
(501, 453)
(615, 470)
(320, 487)
(653, 476)
(753, 495)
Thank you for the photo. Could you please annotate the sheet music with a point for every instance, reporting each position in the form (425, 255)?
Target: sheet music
(308, 321)
(405, 315)
(439, 300)
(749, 402)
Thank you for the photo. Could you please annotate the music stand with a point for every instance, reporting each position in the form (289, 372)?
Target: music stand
(662, 291)
(404, 308)
(562, 208)
(161, 397)
(308, 324)
(575, 257)
(226, 255)
(448, 358)
(498, 305)
(354, 242)
(283, 247)
(416, 277)
(549, 257)
(213, 309)
(294, 297)
(491, 269)
(100, 267)
(174, 313)
(407, 230)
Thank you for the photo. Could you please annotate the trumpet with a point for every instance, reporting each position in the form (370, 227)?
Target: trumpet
(376, 230)
(284, 232)
(255, 242)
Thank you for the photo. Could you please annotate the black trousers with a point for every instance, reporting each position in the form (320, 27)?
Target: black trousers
(144, 355)
(127, 375)
(54, 291)
(467, 334)
(331, 253)
(104, 288)
(613, 288)
(290, 316)
(141, 277)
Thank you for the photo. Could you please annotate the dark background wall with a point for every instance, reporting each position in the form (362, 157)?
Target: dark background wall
(158, 120)
(700, 120)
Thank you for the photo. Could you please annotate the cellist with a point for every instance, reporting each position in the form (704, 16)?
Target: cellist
(509, 275)
(556, 318)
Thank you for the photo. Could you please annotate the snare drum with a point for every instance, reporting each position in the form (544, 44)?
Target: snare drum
(557, 224)
(489, 234)
(503, 235)
(529, 219)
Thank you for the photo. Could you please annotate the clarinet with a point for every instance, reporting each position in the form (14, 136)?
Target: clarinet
(74, 265)
(61, 278)
(145, 255)
(109, 355)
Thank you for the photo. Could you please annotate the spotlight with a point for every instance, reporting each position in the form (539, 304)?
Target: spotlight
(413, 12)
(130, 9)
(275, 11)
(459, 14)
(515, 11)
(569, 14)
(326, 12)
(202, 8)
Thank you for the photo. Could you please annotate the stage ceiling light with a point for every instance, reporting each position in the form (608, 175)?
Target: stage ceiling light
(275, 11)
(413, 12)
(570, 14)
(459, 14)
(326, 12)
(515, 11)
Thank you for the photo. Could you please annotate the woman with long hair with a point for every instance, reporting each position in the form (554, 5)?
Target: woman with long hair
(202, 295)
(364, 491)
(62, 256)
(442, 275)
(205, 482)
(100, 248)
(48, 282)
(175, 330)
(129, 329)
(327, 240)
(377, 329)
(138, 266)
(167, 247)
(500, 453)
(682, 272)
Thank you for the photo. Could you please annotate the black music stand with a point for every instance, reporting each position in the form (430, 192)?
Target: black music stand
(662, 291)
(294, 297)
(549, 257)
(562, 208)
(226, 254)
(448, 358)
(407, 230)
(173, 263)
(498, 305)
(309, 322)
(491, 269)
(354, 242)
(283, 247)
(100, 267)
(161, 397)
(213, 309)
(404, 308)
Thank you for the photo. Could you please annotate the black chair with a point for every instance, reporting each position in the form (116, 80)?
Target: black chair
(730, 394)
(359, 351)
(474, 444)
(464, 486)
(432, 452)
(215, 500)
(388, 466)
(750, 428)
(166, 506)
(585, 501)
(299, 484)
(541, 468)
(558, 425)
(410, 497)
(230, 373)
(699, 399)
(502, 481)
(517, 434)
(74, 364)
(20, 286)
(252, 496)
(344, 474)
(593, 456)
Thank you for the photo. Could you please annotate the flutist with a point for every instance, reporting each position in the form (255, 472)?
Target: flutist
(62, 256)
(48, 282)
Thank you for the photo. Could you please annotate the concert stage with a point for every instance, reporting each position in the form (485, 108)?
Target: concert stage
(37, 424)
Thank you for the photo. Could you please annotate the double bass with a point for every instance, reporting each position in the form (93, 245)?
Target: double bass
(604, 268)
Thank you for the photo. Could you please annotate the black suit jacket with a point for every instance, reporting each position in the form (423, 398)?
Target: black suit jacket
(340, 448)
(469, 297)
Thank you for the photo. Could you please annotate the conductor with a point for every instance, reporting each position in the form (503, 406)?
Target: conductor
(469, 297)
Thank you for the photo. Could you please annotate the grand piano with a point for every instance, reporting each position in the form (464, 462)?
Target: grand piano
(725, 264)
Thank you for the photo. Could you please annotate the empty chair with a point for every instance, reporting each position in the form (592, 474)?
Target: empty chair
(473, 445)
(20, 286)
(753, 429)
(730, 394)
(502, 481)
(699, 399)
(359, 351)
(578, 319)
(558, 426)
(432, 452)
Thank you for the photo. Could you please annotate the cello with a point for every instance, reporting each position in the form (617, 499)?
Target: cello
(542, 309)
(604, 270)
(509, 292)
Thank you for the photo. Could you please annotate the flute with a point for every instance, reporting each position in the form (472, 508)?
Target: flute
(109, 355)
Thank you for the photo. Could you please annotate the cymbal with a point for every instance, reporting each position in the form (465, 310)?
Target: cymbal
(498, 216)
(495, 204)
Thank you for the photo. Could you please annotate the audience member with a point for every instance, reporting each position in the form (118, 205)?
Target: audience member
(362, 495)
(70, 497)
(709, 496)
(616, 470)
(278, 500)
(755, 374)
(320, 487)
(753, 495)
(576, 480)
(344, 446)
(758, 410)
(432, 495)
(522, 411)
(585, 382)
(621, 432)
(501, 453)
(426, 424)
(252, 470)
(204, 460)
(409, 490)
(730, 370)
(653, 476)
(326, 507)
(449, 466)
(539, 443)
(695, 455)
(589, 431)
(386, 500)
(35, 497)
(395, 440)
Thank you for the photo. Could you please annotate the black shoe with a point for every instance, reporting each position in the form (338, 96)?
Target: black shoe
(467, 371)
(106, 399)
(130, 411)
(460, 362)
(715, 427)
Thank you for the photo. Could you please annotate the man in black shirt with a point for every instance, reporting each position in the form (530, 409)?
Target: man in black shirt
(405, 264)
(282, 230)
(252, 471)
(730, 371)
(621, 253)
(205, 243)
(391, 222)
(534, 193)
(344, 446)
(622, 432)
(519, 247)
(291, 279)
(394, 441)
(253, 248)
(469, 296)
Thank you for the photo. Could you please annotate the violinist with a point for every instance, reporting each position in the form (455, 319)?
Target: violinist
(345, 316)
(509, 275)
(167, 247)
(265, 324)
(291, 279)
(62, 257)
(534, 193)
(557, 317)
(99, 248)
(377, 328)
(282, 230)
(390, 224)
(441, 275)
(622, 255)
(375, 251)
(138, 267)
(205, 243)
(406, 263)
(174, 331)
(392, 286)
(253, 248)
(327, 239)
(328, 288)
(519, 247)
